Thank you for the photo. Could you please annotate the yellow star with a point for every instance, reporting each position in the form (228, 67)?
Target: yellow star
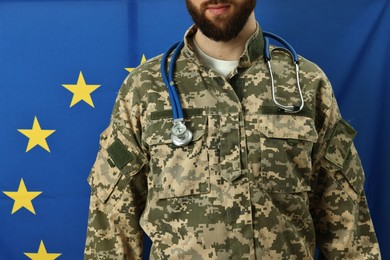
(37, 136)
(142, 61)
(81, 91)
(22, 198)
(42, 254)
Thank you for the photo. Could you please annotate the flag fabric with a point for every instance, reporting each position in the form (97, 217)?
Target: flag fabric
(63, 62)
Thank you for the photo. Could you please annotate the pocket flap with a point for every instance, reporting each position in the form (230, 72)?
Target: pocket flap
(288, 127)
(159, 131)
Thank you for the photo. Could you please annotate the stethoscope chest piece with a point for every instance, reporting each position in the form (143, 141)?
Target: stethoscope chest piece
(181, 135)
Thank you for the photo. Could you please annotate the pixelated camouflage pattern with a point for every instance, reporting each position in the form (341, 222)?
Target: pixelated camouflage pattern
(255, 183)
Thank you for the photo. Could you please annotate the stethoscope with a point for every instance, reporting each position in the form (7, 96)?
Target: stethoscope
(181, 135)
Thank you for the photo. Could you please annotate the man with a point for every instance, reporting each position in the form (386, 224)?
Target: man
(254, 183)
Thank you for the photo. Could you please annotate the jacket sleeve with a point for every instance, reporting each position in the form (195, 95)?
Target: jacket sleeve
(342, 220)
(118, 188)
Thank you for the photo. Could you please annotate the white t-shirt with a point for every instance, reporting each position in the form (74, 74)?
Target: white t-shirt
(223, 67)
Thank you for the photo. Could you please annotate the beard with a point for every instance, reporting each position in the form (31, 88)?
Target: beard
(224, 27)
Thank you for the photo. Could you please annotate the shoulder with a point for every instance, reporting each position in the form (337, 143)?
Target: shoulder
(147, 70)
(144, 76)
(282, 57)
(311, 69)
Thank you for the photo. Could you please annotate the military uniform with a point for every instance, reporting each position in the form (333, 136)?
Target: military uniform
(254, 183)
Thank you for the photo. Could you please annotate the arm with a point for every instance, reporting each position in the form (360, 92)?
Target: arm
(119, 189)
(344, 229)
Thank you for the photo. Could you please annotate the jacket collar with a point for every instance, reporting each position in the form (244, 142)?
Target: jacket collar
(253, 47)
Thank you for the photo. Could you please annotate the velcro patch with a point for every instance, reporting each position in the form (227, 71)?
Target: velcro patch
(119, 154)
(340, 143)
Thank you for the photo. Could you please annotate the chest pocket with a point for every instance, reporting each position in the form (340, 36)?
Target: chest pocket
(286, 143)
(178, 171)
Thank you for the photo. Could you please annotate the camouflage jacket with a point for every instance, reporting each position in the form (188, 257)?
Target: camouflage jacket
(255, 183)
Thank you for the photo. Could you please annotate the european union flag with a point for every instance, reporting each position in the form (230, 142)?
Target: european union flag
(61, 65)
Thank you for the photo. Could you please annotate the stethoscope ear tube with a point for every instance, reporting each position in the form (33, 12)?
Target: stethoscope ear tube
(291, 109)
(294, 56)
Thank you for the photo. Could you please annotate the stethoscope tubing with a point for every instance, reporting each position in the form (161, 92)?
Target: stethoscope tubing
(177, 109)
(180, 134)
(267, 52)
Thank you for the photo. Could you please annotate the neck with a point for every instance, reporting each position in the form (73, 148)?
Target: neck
(230, 50)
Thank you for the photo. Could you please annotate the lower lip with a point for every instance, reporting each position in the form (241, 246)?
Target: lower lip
(219, 10)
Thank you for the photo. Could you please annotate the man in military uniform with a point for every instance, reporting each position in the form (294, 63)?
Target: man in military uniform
(254, 183)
